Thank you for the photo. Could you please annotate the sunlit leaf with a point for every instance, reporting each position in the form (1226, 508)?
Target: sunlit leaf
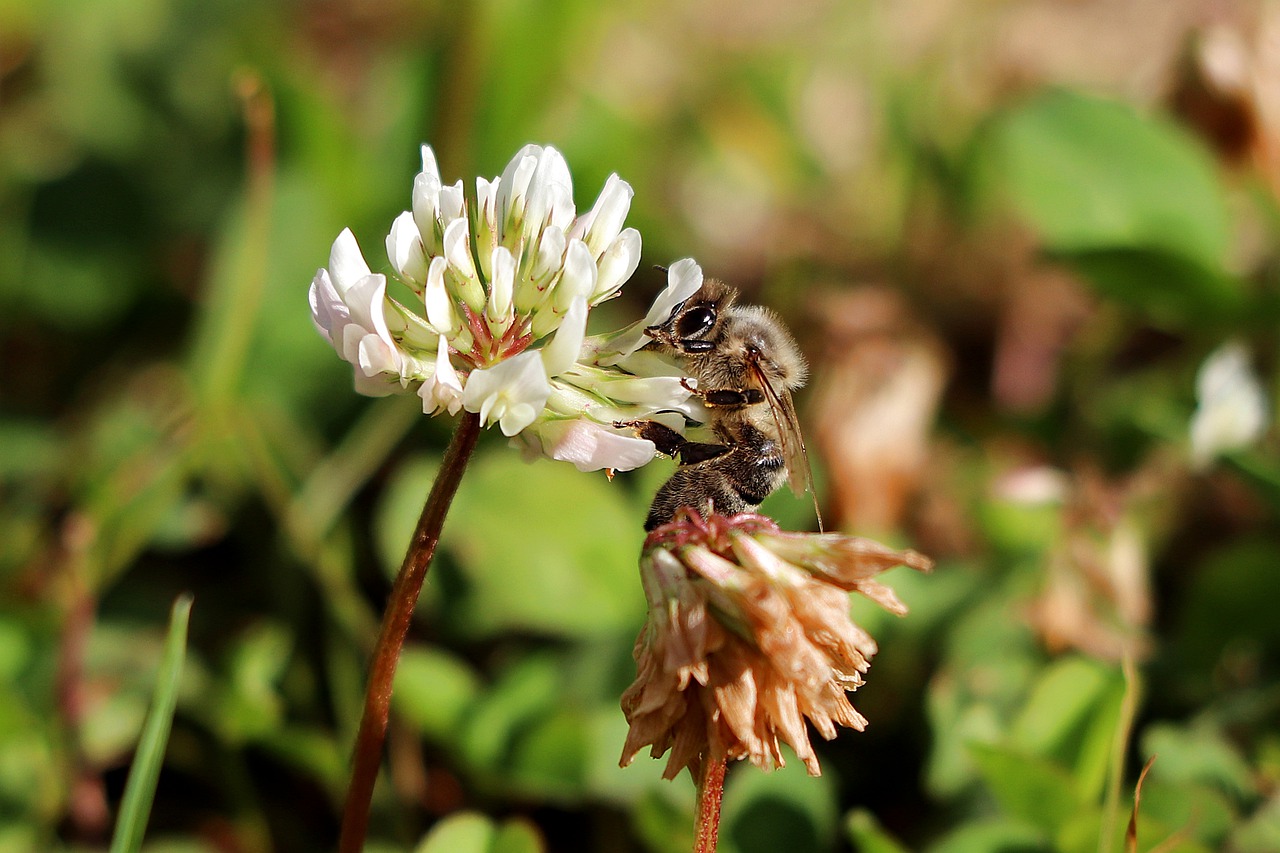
(472, 832)
(1027, 787)
(433, 690)
(1129, 199)
(1094, 174)
(1070, 718)
(515, 530)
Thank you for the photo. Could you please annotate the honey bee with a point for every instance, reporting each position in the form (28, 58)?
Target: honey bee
(746, 365)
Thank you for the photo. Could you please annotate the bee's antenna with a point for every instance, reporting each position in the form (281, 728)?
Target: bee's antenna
(660, 268)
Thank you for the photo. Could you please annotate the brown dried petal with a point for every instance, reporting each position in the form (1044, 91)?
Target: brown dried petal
(752, 637)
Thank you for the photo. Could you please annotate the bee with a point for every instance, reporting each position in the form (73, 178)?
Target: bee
(746, 365)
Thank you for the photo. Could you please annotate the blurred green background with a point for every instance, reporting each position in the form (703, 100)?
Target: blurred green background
(1007, 233)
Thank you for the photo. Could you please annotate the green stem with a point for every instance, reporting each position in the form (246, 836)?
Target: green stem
(710, 793)
(395, 626)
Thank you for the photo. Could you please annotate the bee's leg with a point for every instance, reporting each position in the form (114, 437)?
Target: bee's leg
(698, 451)
(726, 397)
(668, 441)
(730, 397)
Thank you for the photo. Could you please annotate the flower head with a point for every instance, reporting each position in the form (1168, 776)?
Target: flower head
(748, 636)
(1232, 410)
(503, 282)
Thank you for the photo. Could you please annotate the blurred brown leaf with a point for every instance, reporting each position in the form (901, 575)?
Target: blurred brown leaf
(877, 391)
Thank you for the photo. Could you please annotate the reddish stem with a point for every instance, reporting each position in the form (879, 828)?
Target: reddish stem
(395, 626)
(710, 793)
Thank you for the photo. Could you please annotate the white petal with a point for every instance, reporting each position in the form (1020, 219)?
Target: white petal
(1225, 369)
(346, 264)
(590, 446)
(553, 170)
(600, 226)
(562, 209)
(487, 203)
(684, 277)
(405, 250)
(617, 264)
(561, 353)
(457, 250)
(503, 265)
(438, 302)
(452, 202)
(328, 312)
(429, 165)
(655, 391)
(443, 389)
(513, 186)
(366, 300)
(512, 384)
(517, 417)
(376, 356)
(426, 206)
(579, 278)
(352, 336)
(550, 253)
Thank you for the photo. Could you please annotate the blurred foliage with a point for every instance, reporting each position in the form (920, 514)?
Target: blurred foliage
(1072, 205)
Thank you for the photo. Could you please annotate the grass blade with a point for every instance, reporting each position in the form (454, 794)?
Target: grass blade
(140, 790)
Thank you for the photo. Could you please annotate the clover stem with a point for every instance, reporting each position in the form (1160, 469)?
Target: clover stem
(710, 793)
(367, 753)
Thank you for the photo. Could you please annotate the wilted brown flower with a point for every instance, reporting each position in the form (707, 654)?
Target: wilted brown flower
(748, 634)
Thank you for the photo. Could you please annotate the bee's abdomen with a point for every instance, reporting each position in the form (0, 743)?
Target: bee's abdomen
(735, 481)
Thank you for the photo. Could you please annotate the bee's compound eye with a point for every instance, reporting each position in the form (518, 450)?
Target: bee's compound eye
(695, 322)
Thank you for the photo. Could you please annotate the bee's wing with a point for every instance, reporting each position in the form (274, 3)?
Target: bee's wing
(799, 477)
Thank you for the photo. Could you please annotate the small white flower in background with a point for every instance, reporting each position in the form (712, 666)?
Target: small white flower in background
(505, 280)
(1232, 410)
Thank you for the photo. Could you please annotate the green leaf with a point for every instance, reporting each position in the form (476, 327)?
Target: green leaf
(1070, 718)
(550, 756)
(465, 832)
(517, 836)
(15, 649)
(472, 832)
(1194, 810)
(784, 810)
(1028, 787)
(868, 836)
(526, 691)
(1132, 201)
(664, 817)
(144, 773)
(1198, 754)
(1261, 833)
(252, 707)
(1093, 174)
(516, 532)
(998, 835)
(433, 690)
(1170, 289)
(605, 778)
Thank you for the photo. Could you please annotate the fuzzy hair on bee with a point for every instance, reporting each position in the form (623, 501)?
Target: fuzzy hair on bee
(746, 364)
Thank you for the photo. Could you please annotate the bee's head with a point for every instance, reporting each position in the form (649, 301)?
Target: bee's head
(694, 325)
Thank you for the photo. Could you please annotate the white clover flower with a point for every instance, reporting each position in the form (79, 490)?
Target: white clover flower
(505, 280)
(1232, 410)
